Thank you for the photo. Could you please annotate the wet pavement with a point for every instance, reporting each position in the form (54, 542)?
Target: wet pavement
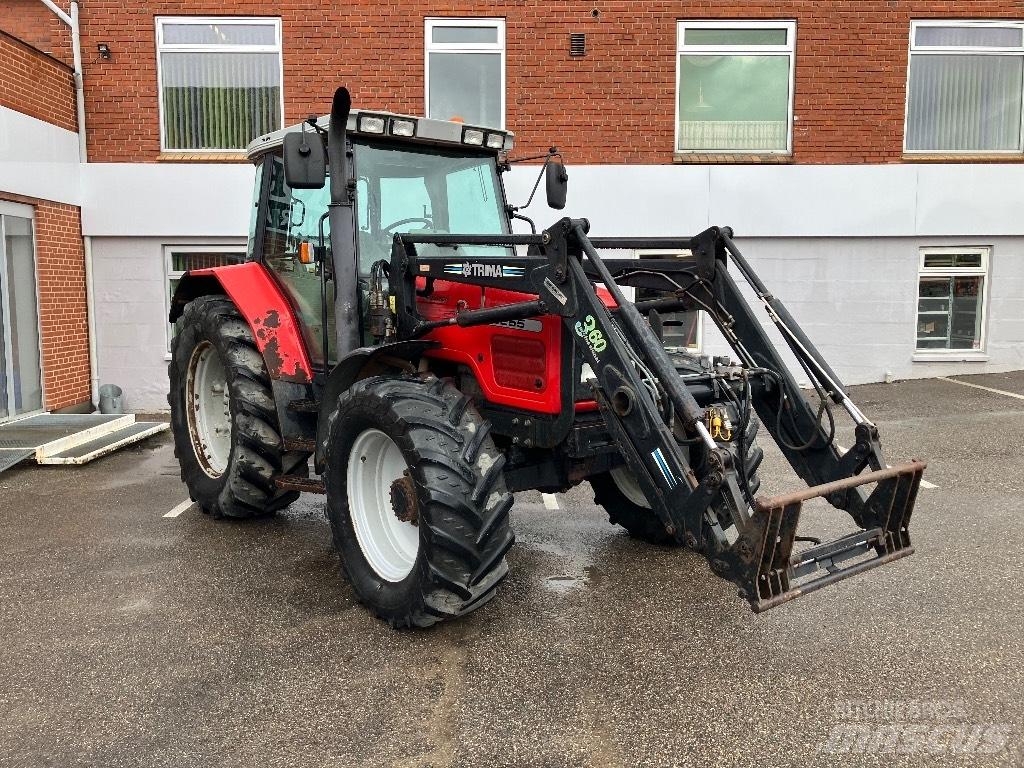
(134, 639)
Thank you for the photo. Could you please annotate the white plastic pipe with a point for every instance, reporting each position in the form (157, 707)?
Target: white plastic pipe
(83, 156)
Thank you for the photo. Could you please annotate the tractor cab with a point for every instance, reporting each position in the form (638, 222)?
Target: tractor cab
(406, 175)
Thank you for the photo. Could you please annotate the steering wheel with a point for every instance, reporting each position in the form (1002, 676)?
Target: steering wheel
(400, 222)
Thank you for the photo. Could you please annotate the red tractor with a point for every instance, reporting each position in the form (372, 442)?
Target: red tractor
(390, 330)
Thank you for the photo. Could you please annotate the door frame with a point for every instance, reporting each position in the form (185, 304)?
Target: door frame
(23, 211)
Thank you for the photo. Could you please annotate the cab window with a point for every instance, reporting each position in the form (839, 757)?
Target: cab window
(294, 219)
(425, 190)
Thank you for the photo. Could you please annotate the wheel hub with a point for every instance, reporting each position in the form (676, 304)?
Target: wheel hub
(403, 499)
(208, 406)
(382, 504)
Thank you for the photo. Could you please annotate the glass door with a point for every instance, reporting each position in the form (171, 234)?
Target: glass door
(21, 388)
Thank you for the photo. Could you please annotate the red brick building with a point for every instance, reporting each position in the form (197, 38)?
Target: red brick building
(870, 152)
(44, 349)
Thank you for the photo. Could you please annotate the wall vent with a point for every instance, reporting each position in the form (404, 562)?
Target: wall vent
(577, 44)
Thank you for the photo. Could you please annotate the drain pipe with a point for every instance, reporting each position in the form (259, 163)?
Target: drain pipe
(83, 157)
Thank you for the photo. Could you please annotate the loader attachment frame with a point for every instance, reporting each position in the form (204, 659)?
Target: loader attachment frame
(653, 417)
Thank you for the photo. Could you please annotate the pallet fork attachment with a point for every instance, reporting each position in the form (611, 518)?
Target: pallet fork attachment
(762, 563)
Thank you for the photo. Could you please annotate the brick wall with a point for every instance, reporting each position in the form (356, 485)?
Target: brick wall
(62, 308)
(614, 105)
(60, 271)
(36, 84)
(37, 25)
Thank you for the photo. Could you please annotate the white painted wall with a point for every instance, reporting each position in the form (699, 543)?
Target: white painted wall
(899, 200)
(856, 299)
(131, 315)
(838, 244)
(38, 159)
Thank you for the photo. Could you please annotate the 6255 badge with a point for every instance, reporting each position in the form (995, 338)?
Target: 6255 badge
(587, 330)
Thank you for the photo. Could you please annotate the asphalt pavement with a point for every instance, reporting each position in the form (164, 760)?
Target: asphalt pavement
(133, 638)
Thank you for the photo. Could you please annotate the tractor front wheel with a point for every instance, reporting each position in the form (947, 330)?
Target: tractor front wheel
(416, 499)
(223, 417)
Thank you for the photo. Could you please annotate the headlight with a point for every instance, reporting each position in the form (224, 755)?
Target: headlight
(473, 136)
(495, 140)
(403, 128)
(371, 124)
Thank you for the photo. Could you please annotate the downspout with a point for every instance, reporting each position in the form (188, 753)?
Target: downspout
(83, 157)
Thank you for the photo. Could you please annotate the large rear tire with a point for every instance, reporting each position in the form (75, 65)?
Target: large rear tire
(223, 418)
(622, 498)
(416, 499)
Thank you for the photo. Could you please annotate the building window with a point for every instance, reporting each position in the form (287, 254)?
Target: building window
(680, 330)
(465, 70)
(179, 259)
(951, 302)
(734, 83)
(219, 82)
(964, 86)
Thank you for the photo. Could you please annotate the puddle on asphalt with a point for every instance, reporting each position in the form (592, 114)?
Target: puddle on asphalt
(559, 584)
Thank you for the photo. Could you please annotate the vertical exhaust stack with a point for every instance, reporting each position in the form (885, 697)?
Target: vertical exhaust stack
(343, 247)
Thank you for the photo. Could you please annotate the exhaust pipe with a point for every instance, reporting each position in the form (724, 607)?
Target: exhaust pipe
(342, 219)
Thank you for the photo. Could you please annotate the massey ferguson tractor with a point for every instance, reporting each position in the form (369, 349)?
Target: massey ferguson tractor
(389, 332)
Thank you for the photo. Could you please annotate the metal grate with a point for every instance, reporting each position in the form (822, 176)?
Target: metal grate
(577, 44)
(9, 458)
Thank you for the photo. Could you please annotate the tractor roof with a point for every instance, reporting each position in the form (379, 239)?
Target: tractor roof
(404, 128)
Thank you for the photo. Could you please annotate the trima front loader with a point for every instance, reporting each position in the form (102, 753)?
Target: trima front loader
(389, 329)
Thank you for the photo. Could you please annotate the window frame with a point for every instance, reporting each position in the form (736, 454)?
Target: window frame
(644, 253)
(429, 47)
(983, 271)
(162, 47)
(788, 50)
(960, 50)
(172, 274)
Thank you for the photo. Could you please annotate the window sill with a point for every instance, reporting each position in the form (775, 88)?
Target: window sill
(726, 158)
(202, 157)
(939, 157)
(950, 357)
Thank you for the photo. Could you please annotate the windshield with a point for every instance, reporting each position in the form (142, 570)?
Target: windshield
(426, 190)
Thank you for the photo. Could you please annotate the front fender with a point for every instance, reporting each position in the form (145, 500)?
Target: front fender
(356, 365)
(264, 306)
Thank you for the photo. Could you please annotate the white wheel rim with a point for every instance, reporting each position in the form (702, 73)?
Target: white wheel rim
(389, 545)
(626, 482)
(208, 403)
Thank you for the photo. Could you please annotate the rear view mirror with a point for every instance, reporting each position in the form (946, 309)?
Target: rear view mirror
(557, 183)
(305, 163)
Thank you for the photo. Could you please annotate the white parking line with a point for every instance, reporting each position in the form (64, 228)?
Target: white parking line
(924, 483)
(978, 386)
(550, 500)
(180, 508)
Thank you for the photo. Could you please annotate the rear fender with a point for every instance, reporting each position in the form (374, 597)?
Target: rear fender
(359, 364)
(262, 303)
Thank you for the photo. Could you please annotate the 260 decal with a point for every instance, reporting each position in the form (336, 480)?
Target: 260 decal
(587, 330)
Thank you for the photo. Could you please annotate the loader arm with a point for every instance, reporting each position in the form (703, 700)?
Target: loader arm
(653, 418)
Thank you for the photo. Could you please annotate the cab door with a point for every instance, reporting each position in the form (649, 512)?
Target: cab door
(294, 219)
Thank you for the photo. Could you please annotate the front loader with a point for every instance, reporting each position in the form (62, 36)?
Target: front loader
(389, 331)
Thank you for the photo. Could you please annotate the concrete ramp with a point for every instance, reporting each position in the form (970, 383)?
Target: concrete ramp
(70, 438)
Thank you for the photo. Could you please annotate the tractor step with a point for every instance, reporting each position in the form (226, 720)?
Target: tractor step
(304, 406)
(306, 444)
(762, 561)
(299, 483)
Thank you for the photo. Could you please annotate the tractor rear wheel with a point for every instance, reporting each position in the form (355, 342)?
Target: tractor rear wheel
(416, 499)
(623, 499)
(223, 418)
